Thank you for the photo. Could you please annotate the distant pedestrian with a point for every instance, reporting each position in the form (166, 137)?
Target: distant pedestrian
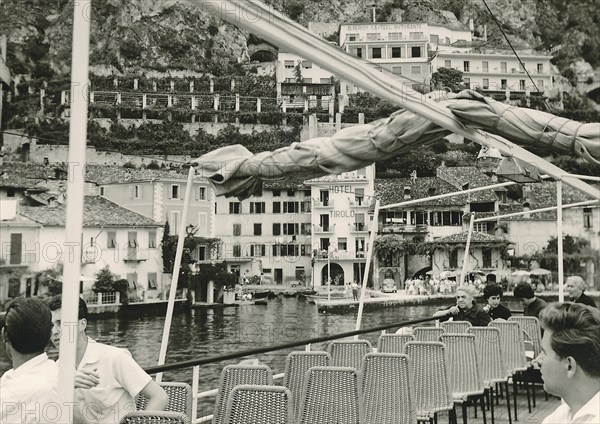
(355, 286)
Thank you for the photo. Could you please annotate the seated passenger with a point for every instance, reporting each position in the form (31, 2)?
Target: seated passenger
(492, 293)
(31, 384)
(532, 306)
(465, 309)
(575, 287)
(108, 378)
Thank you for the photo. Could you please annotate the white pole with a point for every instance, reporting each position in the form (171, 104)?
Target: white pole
(467, 247)
(559, 235)
(74, 212)
(176, 268)
(369, 254)
(329, 272)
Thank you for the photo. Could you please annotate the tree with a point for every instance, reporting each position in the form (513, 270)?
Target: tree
(104, 281)
(298, 73)
(447, 79)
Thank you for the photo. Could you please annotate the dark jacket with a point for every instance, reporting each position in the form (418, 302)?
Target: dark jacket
(534, 308)
(475, 315)
(500, 311)
(586, 300)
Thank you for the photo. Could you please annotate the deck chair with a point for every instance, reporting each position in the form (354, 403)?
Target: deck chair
(259, 404)
(296, 365)
(235, 375)
(393, 343)
(155, 417)
(332, 395)
(456, 326)
(511, 338)
(491, 357)
(180, 398)
(387, 389)
(464, 376)
(348, 353)
(430, 379)
(428, 334)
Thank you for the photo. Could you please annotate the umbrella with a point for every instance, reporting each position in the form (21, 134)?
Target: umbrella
(540, 271)
(521, 273)
(447, 274)
(477, 272)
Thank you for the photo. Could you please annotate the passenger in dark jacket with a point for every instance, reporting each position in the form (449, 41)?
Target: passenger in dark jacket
(575, 287)
(532, 306)
(492, 293)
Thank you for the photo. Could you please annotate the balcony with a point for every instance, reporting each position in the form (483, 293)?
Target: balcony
(400, 227)
(324, 203)
(324, 229)
(340, 255)
(359, 227)
(359, 203)
(136, 255)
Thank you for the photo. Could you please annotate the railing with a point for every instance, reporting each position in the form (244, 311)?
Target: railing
(324, 229)
(324, 203)
(359, 227)
(102, 299)
(196, 363)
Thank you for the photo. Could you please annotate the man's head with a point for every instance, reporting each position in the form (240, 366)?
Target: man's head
(27, 326)
(570, 346)
(524, 291)
(493, 294)
(55, 305)
(575, 286)
(464, 296)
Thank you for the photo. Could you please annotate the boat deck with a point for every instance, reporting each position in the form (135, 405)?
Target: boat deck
(538, 414)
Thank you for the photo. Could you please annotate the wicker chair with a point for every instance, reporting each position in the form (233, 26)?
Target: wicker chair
(387, 389)
(511, 337)
(296, 366)
(155, 417)
(491, 357)
(234, 375)
(430, 379)
(456, 327)
(259, 404)
(180, 398)
(463, 371)
(332, 395)
(348, 353)
(428, 334)
(393, 343)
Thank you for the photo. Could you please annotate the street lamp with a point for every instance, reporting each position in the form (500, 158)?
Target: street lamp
(330, 250)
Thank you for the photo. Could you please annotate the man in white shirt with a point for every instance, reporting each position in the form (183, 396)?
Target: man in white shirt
(570, 362)
(108, 379)
(28, 391)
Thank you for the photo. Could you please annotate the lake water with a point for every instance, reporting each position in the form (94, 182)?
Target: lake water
(200, 333)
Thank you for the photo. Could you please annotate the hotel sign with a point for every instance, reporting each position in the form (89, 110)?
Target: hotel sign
(383, 27)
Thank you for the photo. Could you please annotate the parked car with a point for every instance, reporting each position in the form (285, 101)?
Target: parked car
(389, 286)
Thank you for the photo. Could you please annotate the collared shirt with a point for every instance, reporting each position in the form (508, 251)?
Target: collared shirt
(28, 394)
(588, 414)
(121, 379)
(475, 315)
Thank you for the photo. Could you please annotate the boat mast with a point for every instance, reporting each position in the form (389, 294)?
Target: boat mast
(74, 210)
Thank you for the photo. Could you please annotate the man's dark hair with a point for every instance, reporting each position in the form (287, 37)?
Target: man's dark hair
(56, 303)
(492, 290)
(575, 332)
(523, 291)
(28, 324)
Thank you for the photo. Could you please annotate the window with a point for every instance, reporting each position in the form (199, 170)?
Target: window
(415, 70)
(237, 229)
(454, 258)
(435, 39)
(201, 193)
(447, 64)
(291, 192)
(152, 240)
(137, 192)
(486, 83)
(291, 229)
(480, 227)
(466, 66)
(503, 67)
(202, 253)
(487, 257)
(587, 218)
(174, 222)
(352, 37)
(257, 207)
(16, 248)
(276, 207)
(521, 67)
(503, 84)
(522, 85)
(291, 207)
(235, 207)
(397, 70)
(305, 206)
(376, 53)
(237, 250)
(467, 82)
(325, 81)
(174, 192)
(359, 196)
(540, 68)
(358, 52)
(307, 64)
(396, 52)
(373, 36)
(152, 281)
(415, 52)
(289, 64)
(111, 239)
(307, 80)
(305, 229)
(421, 217)
(540, 85)
(101, 191)
(276, 229)
(258, 229)
(394, 36)
(324, 243)
(485, 66)
(202, 223)
(305, 250)
(415, 36)
(342, 243)
(276, 193)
